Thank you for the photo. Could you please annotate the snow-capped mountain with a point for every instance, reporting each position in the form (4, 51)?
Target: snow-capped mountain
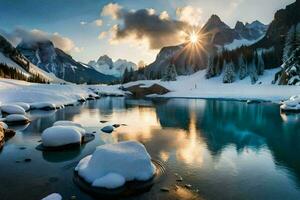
(12, 58)
(53, 60)
(106, 66)
(218, 35)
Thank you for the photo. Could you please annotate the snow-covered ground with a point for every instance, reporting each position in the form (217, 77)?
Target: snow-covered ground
(197, 86)
(193, 86)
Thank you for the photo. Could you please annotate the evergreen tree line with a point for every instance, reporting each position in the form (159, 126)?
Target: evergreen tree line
(12, 73)
(290, 73)
(240, 63)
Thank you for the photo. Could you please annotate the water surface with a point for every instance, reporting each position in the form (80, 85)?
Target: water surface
(224, 149)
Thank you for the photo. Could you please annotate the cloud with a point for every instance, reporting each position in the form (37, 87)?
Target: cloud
(112, 10)
(164, 15)
(144, 25)
(98, 22)
(59, 41)
(189, 14)
(102, 35)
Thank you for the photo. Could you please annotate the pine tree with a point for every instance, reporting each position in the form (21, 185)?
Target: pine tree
(170, 73)
(229, 74)
(243, 67)
(289, 44)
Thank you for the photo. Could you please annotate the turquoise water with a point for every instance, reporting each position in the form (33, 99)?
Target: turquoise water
(223, 149)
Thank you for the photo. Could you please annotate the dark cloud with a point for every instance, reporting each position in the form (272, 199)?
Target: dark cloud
(141, 24)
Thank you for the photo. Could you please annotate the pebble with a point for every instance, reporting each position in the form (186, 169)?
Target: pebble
(103, 121)
(116, 125)
(73, 197)
(27, 160)
(22, 148)
(188, 186)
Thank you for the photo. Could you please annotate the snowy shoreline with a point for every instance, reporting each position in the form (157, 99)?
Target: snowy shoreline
(194, 86)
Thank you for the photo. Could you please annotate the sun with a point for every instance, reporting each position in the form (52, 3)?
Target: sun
(193, 37)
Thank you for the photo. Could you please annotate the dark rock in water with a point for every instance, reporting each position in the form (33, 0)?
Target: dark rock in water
(116, 125)
(103, 121)
(27, 160)
(90, 98)
(81, 100)
(253, 101)
(108, 129)
(139, 91)
(9, 133)
(22, 148)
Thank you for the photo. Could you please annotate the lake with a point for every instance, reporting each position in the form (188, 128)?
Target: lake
(222, 149)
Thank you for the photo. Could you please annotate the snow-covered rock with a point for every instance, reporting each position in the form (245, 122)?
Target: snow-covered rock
(110, 162)
(25, 106)
(107, 129)
(291, 105)
(16, 119)
(43, 106)
(53, 196)
(57, 136)
(12, 109)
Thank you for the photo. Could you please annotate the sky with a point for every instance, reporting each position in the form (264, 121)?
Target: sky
(128, 29)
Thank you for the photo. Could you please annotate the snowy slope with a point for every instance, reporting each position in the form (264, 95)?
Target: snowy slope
(197, 86)
(240, 42)
(32, 69)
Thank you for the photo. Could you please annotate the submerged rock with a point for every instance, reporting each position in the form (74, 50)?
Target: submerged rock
(108, 129)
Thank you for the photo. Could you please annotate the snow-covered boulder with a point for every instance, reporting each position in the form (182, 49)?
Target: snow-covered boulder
(107, 129)
(111, 165)
(58, 136)
(25, 106)
(291, 105)
(16, 119)
(53, 196)
(43, 106)
(12, 109)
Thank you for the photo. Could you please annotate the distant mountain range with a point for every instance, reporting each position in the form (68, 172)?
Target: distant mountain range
(105, 65)
(217, 36)
(53, 60)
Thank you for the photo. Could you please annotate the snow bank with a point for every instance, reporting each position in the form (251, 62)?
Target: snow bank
(60, 136)
(16, 119)
(111, 163)
(54, 196)
(291, 105)
(12, 109)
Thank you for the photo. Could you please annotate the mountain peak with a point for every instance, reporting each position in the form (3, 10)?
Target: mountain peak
(239, 25)
(215, 22)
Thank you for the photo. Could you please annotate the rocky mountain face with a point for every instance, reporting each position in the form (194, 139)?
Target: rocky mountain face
(106, 66)
(278, 29)
(53, 60)
(15, 65)
(217, 34)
